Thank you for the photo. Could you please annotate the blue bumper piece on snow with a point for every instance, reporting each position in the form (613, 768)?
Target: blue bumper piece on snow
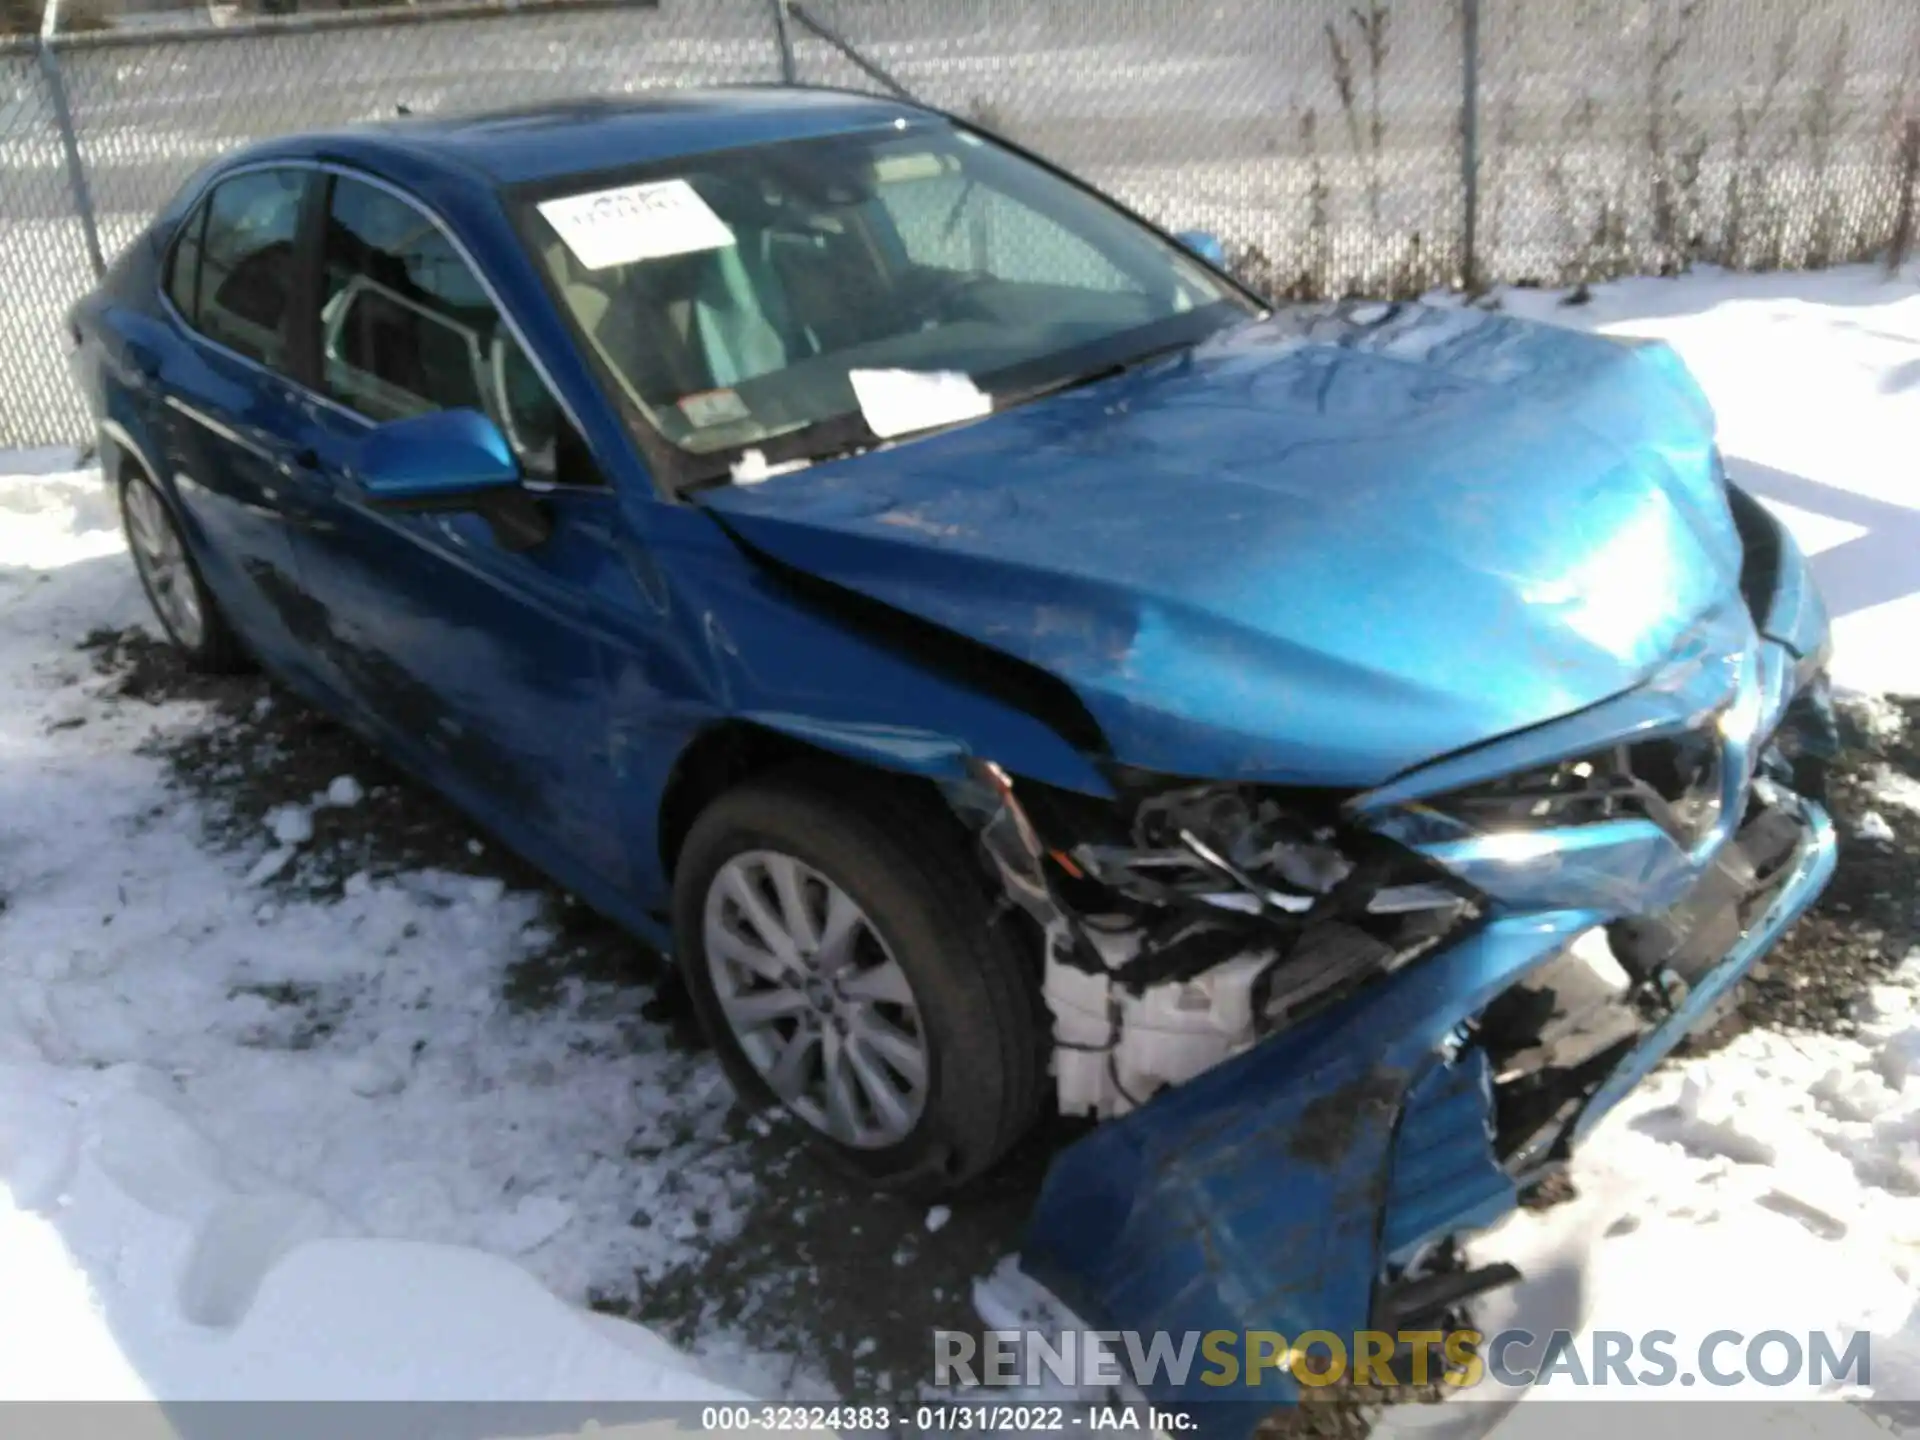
(1277, 1192)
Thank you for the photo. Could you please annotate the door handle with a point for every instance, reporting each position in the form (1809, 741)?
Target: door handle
(143, 367)
(295, 466)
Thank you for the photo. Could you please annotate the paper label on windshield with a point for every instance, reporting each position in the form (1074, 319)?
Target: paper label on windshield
(636, 222)
(713, 407)
(898, 402)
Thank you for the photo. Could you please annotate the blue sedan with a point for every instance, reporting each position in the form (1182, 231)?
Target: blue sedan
(1009, 664)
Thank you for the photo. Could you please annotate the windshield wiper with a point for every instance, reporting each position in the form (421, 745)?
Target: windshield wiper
(841, 436)
(833, 438)
(1007, 400)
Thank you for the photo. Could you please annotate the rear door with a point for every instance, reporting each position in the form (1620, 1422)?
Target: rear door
(483, 661)
(233, 412)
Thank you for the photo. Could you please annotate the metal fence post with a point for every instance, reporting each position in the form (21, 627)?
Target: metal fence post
(1470, 144)
(785, 40)
(69, 138)
(821, 30)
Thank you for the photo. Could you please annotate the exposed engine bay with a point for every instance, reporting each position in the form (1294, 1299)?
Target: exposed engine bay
(1189, 922)
(1216, 917)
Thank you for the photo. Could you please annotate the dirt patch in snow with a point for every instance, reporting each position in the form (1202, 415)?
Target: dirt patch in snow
(268, 758)
(267, 752)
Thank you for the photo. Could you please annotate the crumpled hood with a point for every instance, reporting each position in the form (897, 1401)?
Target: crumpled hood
(1319, 549)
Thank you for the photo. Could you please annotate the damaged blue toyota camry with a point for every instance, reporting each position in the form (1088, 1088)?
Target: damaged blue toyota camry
(1340, 749)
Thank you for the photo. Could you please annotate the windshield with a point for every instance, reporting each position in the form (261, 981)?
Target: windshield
(772, 297)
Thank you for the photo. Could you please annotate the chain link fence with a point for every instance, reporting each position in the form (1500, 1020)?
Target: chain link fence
(1320, 139)
(1648, 136)
(44, 258)
(1337, 146)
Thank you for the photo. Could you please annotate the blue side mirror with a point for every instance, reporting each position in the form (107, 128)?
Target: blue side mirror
(444, 460)
(1206, 245)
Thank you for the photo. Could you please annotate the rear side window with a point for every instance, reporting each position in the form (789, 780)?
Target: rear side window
(232, 274)
(406, 327)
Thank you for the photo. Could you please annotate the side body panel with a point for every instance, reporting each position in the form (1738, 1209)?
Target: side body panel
(487, 661)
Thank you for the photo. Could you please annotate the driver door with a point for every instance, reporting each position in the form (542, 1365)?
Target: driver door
(479, 661)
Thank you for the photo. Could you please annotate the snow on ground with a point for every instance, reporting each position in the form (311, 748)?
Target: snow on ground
(195, 1200)
(200, 1182)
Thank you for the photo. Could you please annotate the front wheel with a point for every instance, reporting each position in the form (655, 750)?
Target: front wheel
(847, 961)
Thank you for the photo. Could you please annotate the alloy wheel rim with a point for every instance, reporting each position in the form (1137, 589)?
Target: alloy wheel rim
(815, 999)
(162, 561)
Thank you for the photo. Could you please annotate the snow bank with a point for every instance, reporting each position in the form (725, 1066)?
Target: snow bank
(1769, 1186)
(255, 1148)
(140, 1264)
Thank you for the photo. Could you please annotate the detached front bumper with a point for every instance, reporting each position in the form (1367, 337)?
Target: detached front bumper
(1287, 1189)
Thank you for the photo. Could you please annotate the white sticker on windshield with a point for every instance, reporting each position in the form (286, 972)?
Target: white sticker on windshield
(636, 222)
(898, 402)
(921, 165)
(713, 407)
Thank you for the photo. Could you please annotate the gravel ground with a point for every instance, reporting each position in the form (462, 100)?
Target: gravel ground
(849, 1285)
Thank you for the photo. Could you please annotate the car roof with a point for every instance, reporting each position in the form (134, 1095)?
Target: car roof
(578, 137)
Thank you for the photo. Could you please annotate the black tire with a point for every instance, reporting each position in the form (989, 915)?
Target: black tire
(905, 860)
(215, 649)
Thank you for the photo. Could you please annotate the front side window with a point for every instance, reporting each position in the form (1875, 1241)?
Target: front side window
(949, 221)
(733, 298)
(406, 327)
(183, 269)
(232, 275)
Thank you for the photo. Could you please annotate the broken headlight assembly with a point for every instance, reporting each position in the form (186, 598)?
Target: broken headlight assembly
(1187, 922)
(1674, 781)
